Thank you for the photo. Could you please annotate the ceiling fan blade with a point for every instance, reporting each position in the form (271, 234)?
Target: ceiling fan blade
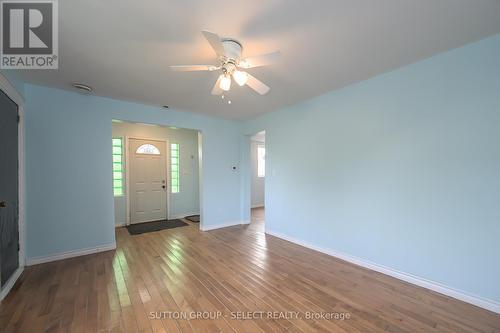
(215, 42)
(216, 90)
(191, 68)
(260, 60)
(257, 85)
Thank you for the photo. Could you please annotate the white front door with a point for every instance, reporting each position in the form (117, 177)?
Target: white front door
(148, 180)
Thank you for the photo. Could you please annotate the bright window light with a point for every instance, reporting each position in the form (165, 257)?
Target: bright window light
(261, 161)
(174, 167)
(148, 149)
(118, 167)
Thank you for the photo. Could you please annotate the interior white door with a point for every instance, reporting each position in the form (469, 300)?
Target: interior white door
(148, 180)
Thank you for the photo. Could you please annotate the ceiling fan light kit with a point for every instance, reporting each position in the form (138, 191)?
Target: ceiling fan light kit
(228, 53)
(225, 82)
(240, 77)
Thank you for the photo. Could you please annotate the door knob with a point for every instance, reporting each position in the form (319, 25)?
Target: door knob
(3, 204)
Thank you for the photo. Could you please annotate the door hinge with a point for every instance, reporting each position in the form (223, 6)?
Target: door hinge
(18, 247)
(18, 118)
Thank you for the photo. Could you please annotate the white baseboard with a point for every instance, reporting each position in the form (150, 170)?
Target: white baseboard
(223, 225)
(183, 215)
(70, 254)
(481, 302)
(11, 282)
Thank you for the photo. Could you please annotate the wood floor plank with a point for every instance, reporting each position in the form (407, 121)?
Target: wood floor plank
(163, 281)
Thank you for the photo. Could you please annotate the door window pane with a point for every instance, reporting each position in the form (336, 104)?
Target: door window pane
(148, 149)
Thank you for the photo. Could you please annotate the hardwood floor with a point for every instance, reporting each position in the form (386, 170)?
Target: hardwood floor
(153, 278)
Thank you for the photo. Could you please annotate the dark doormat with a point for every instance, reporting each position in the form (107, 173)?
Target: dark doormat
(193, 218)
(140, 228)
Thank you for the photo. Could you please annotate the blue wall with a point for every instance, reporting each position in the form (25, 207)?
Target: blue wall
(68, 167)
(402, 170)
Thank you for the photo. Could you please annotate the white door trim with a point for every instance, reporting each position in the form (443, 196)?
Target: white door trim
(9, 89)
(200, 179)
(127, 172)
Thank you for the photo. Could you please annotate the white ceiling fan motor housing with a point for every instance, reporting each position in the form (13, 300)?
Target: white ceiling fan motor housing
(232, 49)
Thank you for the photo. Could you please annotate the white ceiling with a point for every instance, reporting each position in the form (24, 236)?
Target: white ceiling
(123, 48)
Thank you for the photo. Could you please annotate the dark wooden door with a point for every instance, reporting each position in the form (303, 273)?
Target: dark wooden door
(9, 188)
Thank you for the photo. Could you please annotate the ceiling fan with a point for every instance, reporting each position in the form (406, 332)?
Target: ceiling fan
(228, 52)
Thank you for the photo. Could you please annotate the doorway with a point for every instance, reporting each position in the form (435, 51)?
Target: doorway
(148, 180)
(156, 173)
(9, 188)
(258, 176)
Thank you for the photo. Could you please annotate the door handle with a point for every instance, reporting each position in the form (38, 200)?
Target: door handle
(3, 204)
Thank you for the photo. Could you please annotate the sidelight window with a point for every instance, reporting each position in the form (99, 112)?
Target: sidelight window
(174, 167)
(118, 167)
